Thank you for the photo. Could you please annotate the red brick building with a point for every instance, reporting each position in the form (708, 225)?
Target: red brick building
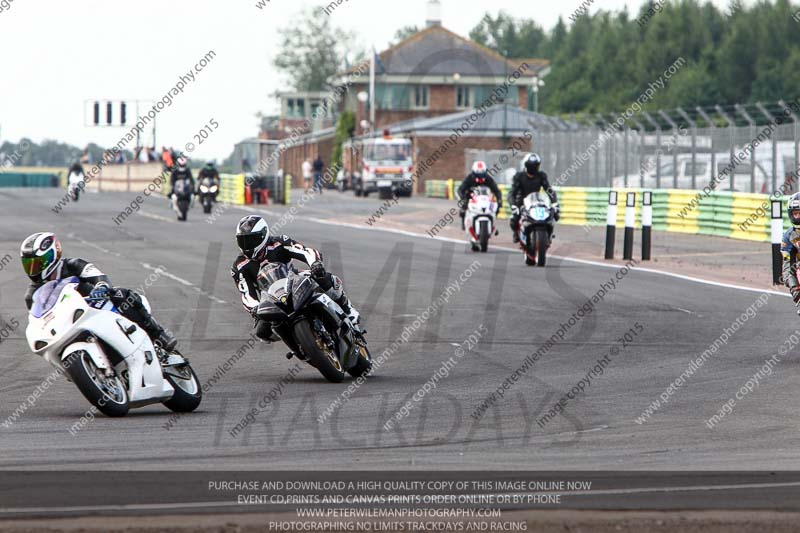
(433, 74)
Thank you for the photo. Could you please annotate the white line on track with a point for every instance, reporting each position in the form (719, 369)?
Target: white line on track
(514, 250)
(150, 267)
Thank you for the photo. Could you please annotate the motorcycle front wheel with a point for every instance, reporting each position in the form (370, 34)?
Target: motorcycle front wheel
(542, 243)
(107, 393)
(322, 356)
(483, 235)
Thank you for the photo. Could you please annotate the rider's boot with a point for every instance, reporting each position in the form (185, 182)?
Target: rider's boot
(160, 336)
(352, 313)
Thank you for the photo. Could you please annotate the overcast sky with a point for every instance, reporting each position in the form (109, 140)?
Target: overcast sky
(56, 54)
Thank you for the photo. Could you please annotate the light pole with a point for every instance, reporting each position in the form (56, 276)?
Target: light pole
(363, 96)
(536, 84)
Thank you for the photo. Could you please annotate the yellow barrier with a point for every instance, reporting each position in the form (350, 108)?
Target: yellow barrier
(231, 190)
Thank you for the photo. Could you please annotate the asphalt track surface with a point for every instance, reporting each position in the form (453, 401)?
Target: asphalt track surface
(392, 278)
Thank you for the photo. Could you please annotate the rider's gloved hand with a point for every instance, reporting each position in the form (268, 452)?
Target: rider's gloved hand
(515, 209)
(100, 291)
(318, 269)
(557, 209)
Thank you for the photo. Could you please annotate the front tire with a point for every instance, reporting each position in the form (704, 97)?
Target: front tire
(542, 242)
(320, 356)
(188, 393)
(483, 235)
(108, 394)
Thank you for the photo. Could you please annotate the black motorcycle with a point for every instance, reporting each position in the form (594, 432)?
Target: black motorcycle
(182, 198)
(311, 324)
(208, 194)
(536, 228)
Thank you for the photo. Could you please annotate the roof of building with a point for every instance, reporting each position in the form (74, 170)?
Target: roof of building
(439, 51)
(496, 119)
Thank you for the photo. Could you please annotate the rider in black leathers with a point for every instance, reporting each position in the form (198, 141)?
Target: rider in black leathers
(41, 259)
(209, 171)
(180, 172)
(479, 177)
(526, 182)
(258, 248)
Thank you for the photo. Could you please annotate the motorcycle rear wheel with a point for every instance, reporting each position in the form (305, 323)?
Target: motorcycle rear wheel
(188, 392)
(364, 365)
(320, 356)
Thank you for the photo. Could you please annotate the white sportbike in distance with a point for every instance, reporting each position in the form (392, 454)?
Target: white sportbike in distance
(480, 218)
(111, 360)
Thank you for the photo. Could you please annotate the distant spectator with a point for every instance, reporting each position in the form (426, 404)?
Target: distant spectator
(307, 174)
(143, 157)
(120, 158)
(319, 166)
(166, 158)
(86, 158)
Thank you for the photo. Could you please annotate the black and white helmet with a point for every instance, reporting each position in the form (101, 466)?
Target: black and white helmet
(252, 235)
(793, 209)
(532, 163)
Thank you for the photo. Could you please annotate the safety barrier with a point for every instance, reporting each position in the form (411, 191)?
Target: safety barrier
(231, 190)
(32, 177)
(735, 215)
(25, 179)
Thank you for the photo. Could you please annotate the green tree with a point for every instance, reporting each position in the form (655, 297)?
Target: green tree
(403, 33)
(344, 127)
(312, 51)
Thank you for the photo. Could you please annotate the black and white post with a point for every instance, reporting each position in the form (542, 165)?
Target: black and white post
(777, 237)
(630, 220)
(611, 224)
(647, 224)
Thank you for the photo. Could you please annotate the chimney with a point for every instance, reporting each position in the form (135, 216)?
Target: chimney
(434, 14)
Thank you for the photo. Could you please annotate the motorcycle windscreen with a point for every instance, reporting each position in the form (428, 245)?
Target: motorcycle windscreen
(46, 296)
(271, 273)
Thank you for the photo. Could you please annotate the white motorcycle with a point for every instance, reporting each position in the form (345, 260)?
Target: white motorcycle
(480, 218)
(75, 185)
(111, 360)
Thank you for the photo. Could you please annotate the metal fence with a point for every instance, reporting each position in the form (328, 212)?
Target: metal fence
(745, 148)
